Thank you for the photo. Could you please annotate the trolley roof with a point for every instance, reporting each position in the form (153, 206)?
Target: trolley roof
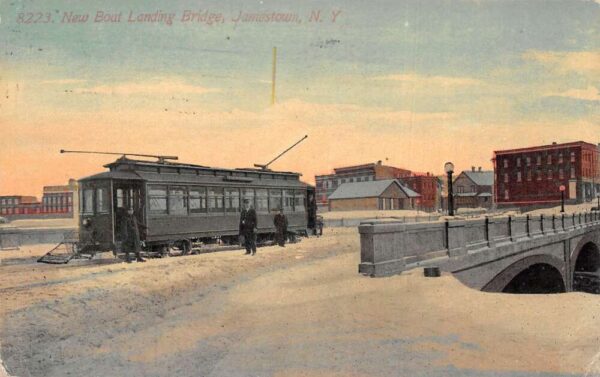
(129, 169)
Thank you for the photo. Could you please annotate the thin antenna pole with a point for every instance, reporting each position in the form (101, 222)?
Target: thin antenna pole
(273, 75)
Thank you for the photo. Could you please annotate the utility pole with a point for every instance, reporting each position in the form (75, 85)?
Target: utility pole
(273, 75)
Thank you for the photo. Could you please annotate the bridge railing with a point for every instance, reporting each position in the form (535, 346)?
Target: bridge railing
(392, 247)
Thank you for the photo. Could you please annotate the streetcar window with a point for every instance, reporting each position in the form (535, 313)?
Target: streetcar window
(120, 199)
(101, 200)
(197, 200)
(299, 205)
(288, 201)
(88, 201)
(248, 194)
(262, 200)
(157, 196)
(232, 200)
(215, 199)
(177, 201)
(274, 199)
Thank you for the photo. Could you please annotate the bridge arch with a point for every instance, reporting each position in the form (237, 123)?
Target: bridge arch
(585, 259)
(586, 255)
(533, 274)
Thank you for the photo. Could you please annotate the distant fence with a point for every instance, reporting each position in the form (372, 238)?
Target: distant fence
(11, 238)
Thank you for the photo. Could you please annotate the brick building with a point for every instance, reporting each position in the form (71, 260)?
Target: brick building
(328, 183)
(474, 189)
(387, 194)
(18, 204)
(532, 176)
(57, 201)
(429, 187)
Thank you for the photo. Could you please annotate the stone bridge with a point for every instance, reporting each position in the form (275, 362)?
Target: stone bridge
(521, 254)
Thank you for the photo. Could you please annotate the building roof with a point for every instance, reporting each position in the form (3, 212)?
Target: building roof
(480, 178)
(368, 189)
(546, 147)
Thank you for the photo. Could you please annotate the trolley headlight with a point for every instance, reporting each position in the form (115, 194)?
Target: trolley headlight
(87, 222)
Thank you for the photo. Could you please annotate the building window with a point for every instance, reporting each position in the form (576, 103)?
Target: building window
(549, 159)
(539, 175)
(505, 177)
(560, 158)
(519, 176)
(561, 174)
(505, 194)
(505, 163)
(572, 156)
(528, 161)
(572, 172)
(529, 175)
(539, 160)
(518, 161)
(549, 174)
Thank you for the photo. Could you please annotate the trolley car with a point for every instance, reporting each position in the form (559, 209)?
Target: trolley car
(184, 203)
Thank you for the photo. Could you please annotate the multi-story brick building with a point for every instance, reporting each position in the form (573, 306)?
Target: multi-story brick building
(532, 176)
(18, 204)
(328, 183)
(57, 201)
(473, 189)
(429, 187)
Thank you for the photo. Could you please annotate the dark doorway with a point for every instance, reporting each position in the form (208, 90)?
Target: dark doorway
(536, 279)
(127, 195)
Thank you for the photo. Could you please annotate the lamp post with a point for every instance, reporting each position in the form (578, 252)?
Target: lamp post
(598, 196)
(449, 169)
(562, 198)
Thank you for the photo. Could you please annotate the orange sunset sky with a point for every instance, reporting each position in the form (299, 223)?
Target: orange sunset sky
(413, 83)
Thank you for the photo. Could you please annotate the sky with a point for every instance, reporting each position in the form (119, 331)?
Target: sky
(412, 83)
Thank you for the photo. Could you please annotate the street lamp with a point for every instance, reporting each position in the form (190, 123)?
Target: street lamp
(598, 196)
(449, 169)
(562, 198)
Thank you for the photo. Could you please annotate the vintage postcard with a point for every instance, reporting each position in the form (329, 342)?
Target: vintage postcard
(300, 188)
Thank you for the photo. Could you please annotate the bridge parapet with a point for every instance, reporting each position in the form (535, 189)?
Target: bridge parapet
(392, 247)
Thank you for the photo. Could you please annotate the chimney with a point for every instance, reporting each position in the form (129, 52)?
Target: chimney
(554, 143)
(472, 168)
(480, 168)
(379, 162)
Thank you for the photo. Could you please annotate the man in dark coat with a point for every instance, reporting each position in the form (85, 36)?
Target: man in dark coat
(281, 224)
(248, 224)
(131, 239)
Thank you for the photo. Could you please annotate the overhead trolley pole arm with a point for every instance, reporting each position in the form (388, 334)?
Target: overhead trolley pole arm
(265, 167)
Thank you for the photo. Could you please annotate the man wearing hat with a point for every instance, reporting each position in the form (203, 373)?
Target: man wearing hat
(281, 224)
(248, 227)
